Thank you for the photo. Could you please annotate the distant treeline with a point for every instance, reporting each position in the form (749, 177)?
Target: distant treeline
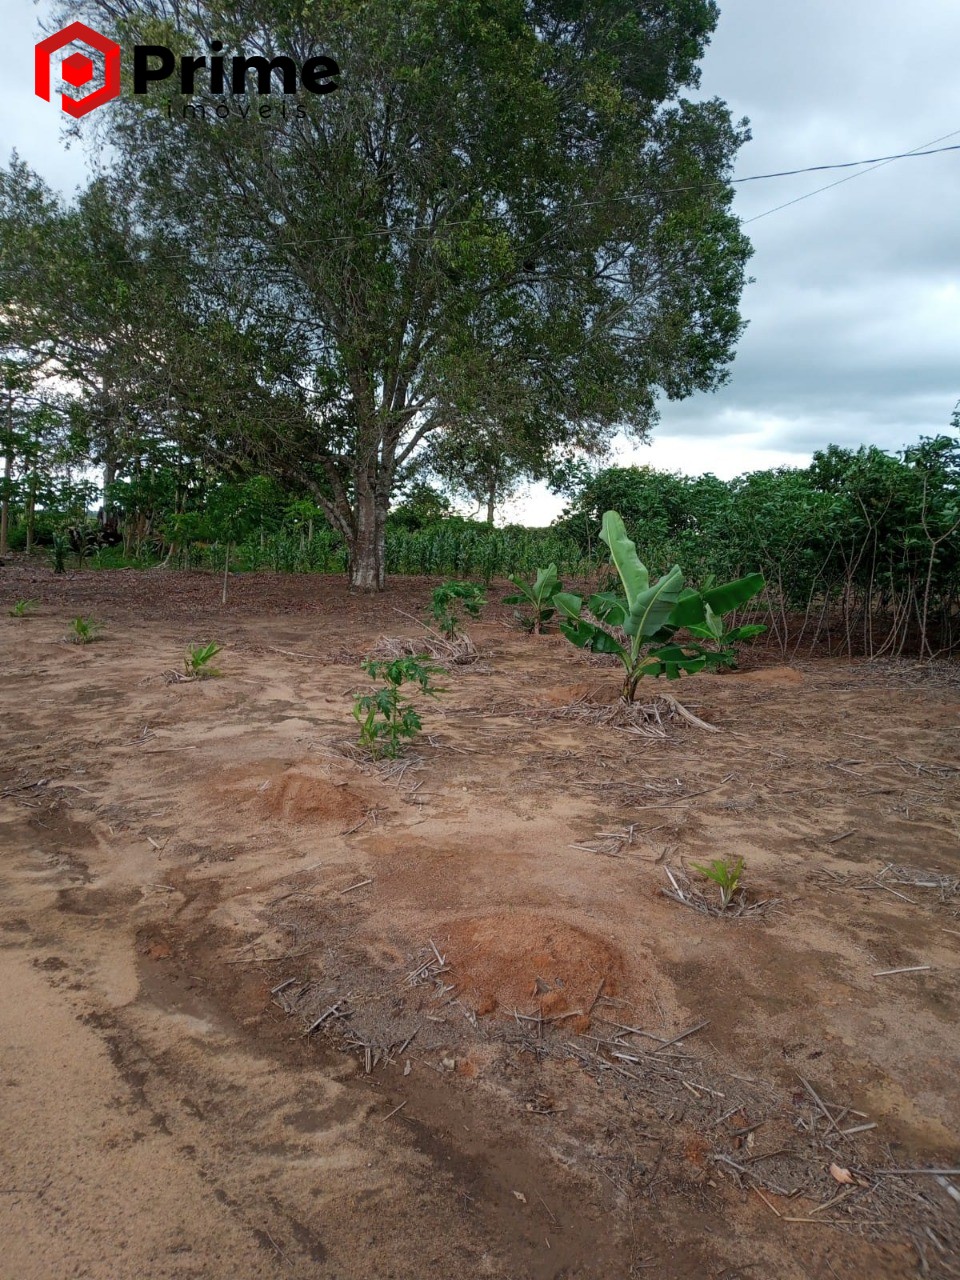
(861, 550)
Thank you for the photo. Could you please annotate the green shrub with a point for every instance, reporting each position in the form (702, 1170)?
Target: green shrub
(386, 718)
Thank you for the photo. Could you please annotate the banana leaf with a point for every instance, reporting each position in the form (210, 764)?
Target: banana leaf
(690, 609)
(623, 553)
(654, 607)
(569, 604)
(587, 635)
(648, 607)
(746, 632)
(676, 658)
(539, 592)
(608, 608)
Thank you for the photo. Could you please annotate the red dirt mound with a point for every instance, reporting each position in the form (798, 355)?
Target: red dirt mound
(300, 796)
(531, 962)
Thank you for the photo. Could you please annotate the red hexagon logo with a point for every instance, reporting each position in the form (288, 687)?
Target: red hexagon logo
(78, 68)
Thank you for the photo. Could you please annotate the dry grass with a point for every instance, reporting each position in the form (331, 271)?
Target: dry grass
(458, 652)
(645, 719)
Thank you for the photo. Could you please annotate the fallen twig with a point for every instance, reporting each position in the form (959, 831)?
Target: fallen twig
(913, 968)
(358, 885)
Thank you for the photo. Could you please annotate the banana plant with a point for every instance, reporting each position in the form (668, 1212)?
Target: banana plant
(641, 613)
(539, 594)
(648, 616)
(701, 613)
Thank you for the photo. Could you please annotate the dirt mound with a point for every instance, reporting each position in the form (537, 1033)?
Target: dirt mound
(531, 962)
(302, 796)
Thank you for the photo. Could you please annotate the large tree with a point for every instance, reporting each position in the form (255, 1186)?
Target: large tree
(506, 209)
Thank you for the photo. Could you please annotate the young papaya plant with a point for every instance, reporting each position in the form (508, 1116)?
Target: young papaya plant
(539, 595)
(386, 718)
(640, 614)
(447, 600)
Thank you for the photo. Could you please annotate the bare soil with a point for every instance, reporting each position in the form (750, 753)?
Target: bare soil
(270, 1008)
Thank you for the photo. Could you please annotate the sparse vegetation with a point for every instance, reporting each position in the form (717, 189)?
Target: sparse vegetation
(449, 599)
(197, 661)
(386, 718)
(725, 875)
(83, 631)
(22, 608)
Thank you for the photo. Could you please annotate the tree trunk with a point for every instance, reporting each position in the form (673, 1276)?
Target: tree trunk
(226, 573)
(5, 503)
(30, 517)
(7, 475)
(367, 543)
(109, 478)
(491, 499)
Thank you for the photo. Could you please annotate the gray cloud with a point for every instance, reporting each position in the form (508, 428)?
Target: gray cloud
(854, 332)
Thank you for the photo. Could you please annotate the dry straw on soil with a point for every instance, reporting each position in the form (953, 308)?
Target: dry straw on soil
(645, 719)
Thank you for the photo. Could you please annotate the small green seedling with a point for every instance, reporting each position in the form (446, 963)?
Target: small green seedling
(82, 631)
(449, 598)
(386, 718)
(725, 875)
(22, 608)
(196, 663)
(539, 595)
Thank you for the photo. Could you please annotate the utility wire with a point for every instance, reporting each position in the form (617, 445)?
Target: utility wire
(874, 164)
(852, 164)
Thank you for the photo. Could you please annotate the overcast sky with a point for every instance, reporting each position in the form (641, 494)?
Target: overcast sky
(854, 315)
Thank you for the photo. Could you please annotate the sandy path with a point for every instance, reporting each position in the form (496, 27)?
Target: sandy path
(90, 1185)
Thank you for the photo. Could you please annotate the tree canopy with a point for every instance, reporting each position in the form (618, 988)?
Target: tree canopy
(507, 216)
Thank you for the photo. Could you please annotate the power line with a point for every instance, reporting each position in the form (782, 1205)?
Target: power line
(874, 164)
(853, 164)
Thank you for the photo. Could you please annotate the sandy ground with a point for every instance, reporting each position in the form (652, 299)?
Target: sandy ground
(194, 875)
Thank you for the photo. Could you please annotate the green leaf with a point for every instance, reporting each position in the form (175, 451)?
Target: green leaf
(538, 593)
(654, 606)
(691, 608)
(676, 658)
(569, 604)
(623, 552)
(711, 628)
(545, 585)
(732, 595)
(586, 635)
(746, 632)
(608, 608)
